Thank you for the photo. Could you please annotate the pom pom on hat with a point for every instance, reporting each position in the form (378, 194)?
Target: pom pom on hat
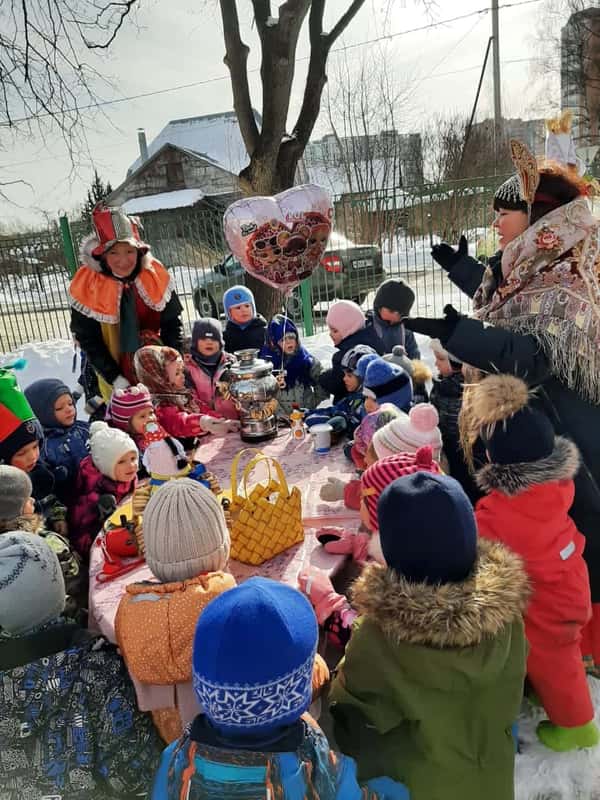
(380, 474)
(126, 403)
(253, 658)
(410, 431)
(32, 587)
(439, 541)
(16, 491)
(107, 446)
(346, 317)
(184, 531)
(386, 382)
(497, 409)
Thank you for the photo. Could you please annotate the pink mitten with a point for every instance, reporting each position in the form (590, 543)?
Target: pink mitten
(354, 544)
(323, 597)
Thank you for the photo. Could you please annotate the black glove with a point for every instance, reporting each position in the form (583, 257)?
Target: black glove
(441, 329)
(446, 256)
(107, 505)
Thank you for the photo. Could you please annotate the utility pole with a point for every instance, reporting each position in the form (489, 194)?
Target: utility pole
(497, 95)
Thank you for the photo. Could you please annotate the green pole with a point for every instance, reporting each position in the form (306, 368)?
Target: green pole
(69, 250)
(306, 307)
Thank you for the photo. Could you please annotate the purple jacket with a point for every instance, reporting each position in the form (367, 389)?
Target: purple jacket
(83, 513)
(205, 387)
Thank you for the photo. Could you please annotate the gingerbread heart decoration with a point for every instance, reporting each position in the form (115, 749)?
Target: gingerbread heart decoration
(281, 239)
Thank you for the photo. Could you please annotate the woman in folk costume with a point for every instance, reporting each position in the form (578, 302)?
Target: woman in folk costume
(536, 314)
(121, 299)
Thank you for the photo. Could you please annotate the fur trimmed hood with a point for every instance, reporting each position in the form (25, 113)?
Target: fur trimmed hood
(446, 615)
(561, 465)
(421, 372)
(91, 241)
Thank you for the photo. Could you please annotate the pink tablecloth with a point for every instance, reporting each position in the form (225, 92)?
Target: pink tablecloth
(302, 468)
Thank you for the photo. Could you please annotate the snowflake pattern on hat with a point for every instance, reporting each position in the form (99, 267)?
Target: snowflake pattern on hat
(254, 705)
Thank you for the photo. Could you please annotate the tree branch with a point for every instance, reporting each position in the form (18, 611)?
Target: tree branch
(344, 20)
(236, 60)
(320, 45)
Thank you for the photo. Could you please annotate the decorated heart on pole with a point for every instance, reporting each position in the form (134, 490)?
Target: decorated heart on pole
(281, 239)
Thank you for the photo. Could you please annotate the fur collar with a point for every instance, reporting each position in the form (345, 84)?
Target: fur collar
(32, 523)
(451, 614)
(87, 259)
(561, 465)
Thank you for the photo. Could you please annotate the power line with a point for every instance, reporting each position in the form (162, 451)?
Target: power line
(217, 79)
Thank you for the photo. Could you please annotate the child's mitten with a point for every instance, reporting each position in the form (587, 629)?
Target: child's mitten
(332, 489)
(219, 426)
(323, 597)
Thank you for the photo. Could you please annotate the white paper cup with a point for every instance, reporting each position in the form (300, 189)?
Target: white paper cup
(322, 437)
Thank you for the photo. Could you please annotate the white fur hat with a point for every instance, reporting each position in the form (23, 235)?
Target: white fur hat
(107, 446)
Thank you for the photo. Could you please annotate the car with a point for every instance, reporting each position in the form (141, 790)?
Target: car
(347, 270)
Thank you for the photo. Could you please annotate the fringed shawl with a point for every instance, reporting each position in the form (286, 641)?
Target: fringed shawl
(551, 290)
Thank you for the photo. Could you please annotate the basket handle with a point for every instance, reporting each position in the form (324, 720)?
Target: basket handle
(270, 460)
(234, 468)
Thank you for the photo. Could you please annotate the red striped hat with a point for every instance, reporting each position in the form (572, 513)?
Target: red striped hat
(126, 403)
(380, 474)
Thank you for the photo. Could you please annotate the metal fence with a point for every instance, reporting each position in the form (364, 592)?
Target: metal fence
(388, 233)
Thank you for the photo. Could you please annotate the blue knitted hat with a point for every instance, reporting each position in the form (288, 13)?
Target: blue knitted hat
(42, 395)
(253, 656)
(440, 545)
(363, 363)
(386, 382)
(235, 297)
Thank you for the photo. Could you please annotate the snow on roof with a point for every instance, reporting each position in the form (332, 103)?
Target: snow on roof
(216, 136)
(159, 202)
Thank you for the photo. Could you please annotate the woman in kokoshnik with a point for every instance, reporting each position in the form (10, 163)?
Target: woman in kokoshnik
(121, 299)
(536, 314)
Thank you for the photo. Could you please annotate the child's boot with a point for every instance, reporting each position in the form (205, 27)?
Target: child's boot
(564, 739)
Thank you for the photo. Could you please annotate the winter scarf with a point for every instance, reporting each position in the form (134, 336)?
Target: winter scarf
(551, 290)
(150, 367)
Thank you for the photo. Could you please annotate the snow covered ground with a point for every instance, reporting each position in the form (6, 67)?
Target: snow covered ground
(540, 774)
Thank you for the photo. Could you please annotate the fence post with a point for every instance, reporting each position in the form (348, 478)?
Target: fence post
(69, 250)
(306, 307)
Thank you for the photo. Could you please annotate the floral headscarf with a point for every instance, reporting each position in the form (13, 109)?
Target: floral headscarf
(551, 290)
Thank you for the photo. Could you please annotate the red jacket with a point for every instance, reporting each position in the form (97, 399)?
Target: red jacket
(536, 525)
(83, 514)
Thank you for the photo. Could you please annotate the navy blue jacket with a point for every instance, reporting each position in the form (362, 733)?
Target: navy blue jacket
(63, 450)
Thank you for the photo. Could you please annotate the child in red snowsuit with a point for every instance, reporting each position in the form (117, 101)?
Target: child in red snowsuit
(529, 489)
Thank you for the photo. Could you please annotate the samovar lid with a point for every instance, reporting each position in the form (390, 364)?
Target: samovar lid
(249, 366)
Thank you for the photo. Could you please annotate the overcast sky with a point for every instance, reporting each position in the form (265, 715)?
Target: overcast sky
(176, 43)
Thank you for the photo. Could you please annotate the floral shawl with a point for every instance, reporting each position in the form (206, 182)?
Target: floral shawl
(551, 290)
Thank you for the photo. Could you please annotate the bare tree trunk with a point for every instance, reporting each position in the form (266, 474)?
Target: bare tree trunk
(273, 154)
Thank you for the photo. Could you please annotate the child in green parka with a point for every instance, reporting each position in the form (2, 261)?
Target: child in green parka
(432, 679)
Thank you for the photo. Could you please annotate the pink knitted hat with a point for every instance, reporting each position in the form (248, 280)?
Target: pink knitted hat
(380, 474)
(346, 317)
(126, 403)
(408, 432)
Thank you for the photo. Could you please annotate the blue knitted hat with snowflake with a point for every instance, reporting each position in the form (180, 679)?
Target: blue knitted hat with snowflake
(235, 297)
(386, 382)
(253, 657)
